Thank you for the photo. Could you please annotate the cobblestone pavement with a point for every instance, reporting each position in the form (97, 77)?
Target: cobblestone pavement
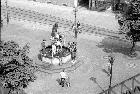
(49, 19)
(99, 19)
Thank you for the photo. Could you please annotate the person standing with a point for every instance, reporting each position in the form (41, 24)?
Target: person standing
(76, 28)
(54, 30)
(74, 51)
(43, 46)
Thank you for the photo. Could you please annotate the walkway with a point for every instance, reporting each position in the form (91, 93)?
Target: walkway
(99, 19)
(92, 66)
(51, 69)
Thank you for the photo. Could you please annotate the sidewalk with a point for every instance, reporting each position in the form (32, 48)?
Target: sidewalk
(99, 19)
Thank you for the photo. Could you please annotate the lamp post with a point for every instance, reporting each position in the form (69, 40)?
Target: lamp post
(111, 61)
(75, 21)
(1, 25)
(7, 14)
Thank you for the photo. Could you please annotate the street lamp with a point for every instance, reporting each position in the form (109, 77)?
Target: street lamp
(1, 25)
(76, 25)
(7, 14)
(75, 21)
(111, 61)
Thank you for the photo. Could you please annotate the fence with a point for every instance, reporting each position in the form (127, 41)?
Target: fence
(122, 88)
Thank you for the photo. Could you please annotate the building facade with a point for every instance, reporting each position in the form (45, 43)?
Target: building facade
(90, 4)
(86, 3)
(69, 3)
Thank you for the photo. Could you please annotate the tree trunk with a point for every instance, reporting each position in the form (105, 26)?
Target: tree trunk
(133, 46)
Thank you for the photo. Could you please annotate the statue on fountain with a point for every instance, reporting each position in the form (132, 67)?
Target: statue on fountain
(56, 40)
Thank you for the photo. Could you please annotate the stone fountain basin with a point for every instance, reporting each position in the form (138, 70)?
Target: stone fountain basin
(65, 56)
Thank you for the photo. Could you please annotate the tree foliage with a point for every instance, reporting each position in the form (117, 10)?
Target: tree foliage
(16, 68)
(129, 22)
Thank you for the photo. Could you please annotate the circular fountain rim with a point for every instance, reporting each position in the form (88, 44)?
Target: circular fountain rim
(63, 47)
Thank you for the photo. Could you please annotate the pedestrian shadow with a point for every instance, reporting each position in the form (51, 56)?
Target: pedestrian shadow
(58, 81)
(118, 46)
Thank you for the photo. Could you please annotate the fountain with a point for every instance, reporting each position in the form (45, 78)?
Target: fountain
(56, 53)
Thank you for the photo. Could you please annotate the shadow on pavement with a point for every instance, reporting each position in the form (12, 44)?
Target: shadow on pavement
(112, 45)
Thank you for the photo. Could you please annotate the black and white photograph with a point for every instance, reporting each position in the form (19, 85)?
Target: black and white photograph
(70, 47)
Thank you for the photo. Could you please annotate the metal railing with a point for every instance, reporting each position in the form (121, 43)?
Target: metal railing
(122, 87)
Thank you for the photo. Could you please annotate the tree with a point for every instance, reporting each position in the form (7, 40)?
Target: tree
(130, 24)
(16, 68)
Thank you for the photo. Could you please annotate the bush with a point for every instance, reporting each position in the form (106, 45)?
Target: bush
(16, 68)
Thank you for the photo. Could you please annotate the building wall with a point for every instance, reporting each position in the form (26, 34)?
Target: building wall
(97, 4)
(69, 3)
